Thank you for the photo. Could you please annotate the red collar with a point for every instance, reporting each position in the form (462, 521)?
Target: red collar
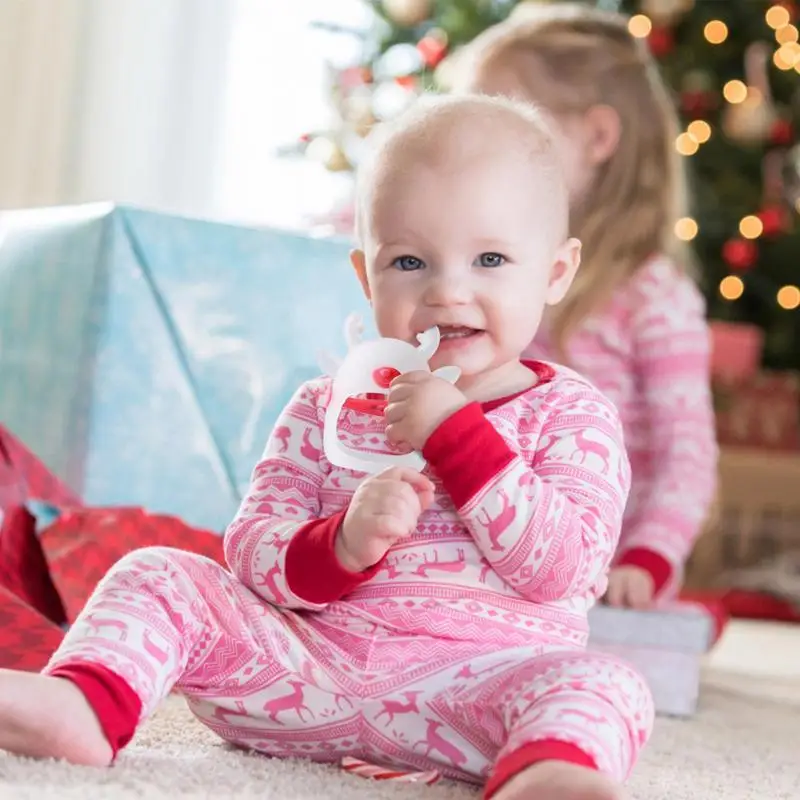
(374, 404)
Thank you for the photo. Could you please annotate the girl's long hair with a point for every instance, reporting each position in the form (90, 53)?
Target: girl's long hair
(569, 58)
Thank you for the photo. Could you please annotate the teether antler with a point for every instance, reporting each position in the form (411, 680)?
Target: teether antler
(429, 342)
(353, 331)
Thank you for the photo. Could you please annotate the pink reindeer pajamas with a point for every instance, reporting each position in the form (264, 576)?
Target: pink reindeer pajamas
(462, 650)
(648, 351)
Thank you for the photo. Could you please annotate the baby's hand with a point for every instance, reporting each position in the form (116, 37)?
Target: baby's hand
(630, 587)
(384, 509)
(417, 404)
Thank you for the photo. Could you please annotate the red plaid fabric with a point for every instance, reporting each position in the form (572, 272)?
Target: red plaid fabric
(46, 580)
(23, 567)
(27, 639)
(83, 544)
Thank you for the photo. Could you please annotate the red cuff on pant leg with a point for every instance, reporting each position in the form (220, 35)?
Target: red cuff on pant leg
(116, 705)
(532, 753)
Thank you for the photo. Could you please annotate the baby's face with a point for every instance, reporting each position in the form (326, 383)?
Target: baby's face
(470, 246)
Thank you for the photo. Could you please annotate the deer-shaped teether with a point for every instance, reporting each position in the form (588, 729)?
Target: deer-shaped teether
(369, 368)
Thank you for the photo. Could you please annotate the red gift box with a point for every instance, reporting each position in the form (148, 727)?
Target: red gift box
(735, 350)
(761, 412)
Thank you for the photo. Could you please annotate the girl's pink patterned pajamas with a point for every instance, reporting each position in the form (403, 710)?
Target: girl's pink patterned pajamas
(648, 351)
(463, 650)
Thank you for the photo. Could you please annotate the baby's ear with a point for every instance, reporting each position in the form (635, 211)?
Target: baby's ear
(359, 262)
(449, 374)
(565, 266)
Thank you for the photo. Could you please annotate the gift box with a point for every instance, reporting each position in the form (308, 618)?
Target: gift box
(736, 350)
(666, 645)
(145, 357)
(762, 411)
(755, 519)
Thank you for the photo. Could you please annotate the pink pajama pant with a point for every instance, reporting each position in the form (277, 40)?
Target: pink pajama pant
(333, 683)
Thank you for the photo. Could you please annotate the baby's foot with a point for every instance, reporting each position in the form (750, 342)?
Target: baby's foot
(46, 717)
(559, 780)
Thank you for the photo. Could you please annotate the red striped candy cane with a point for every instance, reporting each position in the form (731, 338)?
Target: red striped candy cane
(358, 767)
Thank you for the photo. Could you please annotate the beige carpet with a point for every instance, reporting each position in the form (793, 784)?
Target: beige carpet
(743, 745)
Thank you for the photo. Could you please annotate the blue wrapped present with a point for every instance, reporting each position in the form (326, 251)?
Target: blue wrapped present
(144, 357)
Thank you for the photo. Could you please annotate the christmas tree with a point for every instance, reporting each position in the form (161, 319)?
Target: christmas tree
(734, 68)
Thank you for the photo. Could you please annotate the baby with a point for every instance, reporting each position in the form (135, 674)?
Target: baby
(418, 620)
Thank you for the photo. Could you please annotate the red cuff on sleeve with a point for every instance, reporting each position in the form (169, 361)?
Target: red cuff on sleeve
(659, 568)
(115, 704)
(313, 571)
(529, 754)
(466, 452)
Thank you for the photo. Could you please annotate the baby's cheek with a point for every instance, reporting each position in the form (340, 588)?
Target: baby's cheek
(515, 328)
(392, 316)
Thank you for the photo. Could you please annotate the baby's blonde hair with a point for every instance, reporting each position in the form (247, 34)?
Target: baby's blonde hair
(436, 128)
(570, 57)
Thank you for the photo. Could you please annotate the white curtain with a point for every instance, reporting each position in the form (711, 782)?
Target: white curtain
(40, 41)
(112, 100)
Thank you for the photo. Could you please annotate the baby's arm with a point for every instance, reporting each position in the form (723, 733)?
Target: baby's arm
(278, 545)
(548, 528)
(672, 347)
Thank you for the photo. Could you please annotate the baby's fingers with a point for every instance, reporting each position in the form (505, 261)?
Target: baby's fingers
(396, 504)
(416, 480)
(615, 594)
(394, 412)
(640, 592)
(393, 526)
(426, 496)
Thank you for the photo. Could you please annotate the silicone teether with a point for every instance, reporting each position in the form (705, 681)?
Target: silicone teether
(369, 368)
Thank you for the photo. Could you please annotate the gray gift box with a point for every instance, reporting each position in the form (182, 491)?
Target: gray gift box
(667, 646)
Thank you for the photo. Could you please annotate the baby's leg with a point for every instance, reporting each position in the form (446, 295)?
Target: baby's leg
(576, 723)
(150, 621)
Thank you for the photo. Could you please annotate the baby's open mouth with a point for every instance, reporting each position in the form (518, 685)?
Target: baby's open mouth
(457, 331)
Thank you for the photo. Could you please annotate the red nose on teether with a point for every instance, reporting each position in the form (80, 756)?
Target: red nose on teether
(384, 376)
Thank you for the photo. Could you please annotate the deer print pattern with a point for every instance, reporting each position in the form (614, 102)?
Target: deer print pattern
(648, 352)
(465, 643)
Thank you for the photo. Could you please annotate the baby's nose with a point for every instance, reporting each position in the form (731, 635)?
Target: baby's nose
(450, 288)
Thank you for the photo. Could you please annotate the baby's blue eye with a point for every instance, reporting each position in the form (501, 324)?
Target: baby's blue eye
(490, 260)
(408, 263)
